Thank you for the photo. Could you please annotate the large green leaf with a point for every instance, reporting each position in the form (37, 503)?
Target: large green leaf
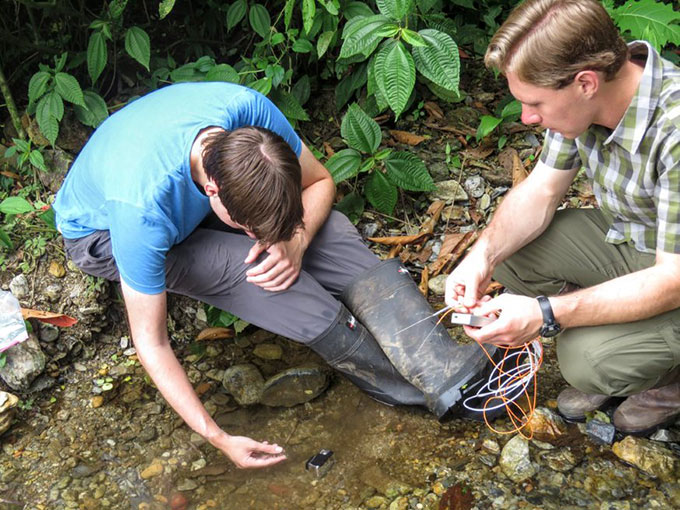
(263, 86)
(302, 46)
(407, 171)
(487, 124)
(381, 193)
(15, 205)
(363, 34)
(235, 13)
(222, 72)
(356, 9)
(512, 110)
(95, 112)
(187, 72)
(138, 46)
(652, 20)
(116, 8)
(302, 90)
(323, 42)
(165, 7)
(289, 105)
(68, 88)
(96, 55)
(349, 83)
(4, 239)
(48, 113)
(38, 85)
(344, 165)
(438, 61)
(360, 131)
(308, 13)
(260, 21)
(288, 13)
(372, 87)
(395, 74)
(395, 9)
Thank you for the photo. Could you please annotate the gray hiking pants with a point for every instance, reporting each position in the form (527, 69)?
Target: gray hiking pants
(208, 266)
(613, 359)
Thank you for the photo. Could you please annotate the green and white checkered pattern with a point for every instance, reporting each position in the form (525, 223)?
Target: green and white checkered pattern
(635, 169)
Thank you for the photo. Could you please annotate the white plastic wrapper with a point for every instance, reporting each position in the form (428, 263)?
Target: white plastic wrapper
(12, 326)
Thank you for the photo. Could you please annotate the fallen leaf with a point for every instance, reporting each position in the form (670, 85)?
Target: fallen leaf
(56, 319)
(329, 150)
(433, 110)
(400, 240)
(457, 497)
(406, 137)
(519, 173)
(445, 253)
(215, 334)
(395, 251)
(424, 278)
(203, 388)
(11, 175)
(480, 152)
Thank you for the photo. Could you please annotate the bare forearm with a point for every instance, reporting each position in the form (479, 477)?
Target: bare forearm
(317, 201)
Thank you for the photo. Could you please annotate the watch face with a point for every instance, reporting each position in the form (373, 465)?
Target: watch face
(550, 330)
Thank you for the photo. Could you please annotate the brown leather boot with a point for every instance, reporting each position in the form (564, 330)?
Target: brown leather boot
(645, 412)
(574, 404)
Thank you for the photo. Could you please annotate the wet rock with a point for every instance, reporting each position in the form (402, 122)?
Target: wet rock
(369, 230)
(665, 436)
(295, 386)
(24, 362)
(244, 382)
(547, 425)
(52, 292)
(268, 351)
(615, 505)
(439, 171)
(376, 502)
(491, 446)
(153, 470)
(375, 477)
(8, 404)
(475, 185)
(600, 432)
(48, 332)
(449, 191)
(19, 287)
(186, 485)
(515, 461)
(56, 269)
(484, 202)
(562, 460)
(647, 456)
(437, 285)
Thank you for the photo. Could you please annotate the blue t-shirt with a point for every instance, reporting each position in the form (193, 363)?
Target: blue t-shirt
(133, 177)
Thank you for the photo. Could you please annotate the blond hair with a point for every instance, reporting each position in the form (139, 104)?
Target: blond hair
(548, 42)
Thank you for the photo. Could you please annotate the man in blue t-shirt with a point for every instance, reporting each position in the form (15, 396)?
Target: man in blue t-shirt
(205, 190)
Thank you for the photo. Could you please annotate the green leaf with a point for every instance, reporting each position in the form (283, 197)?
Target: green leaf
(323, 42)
(344, 165)
(357, 9)
(302, 46)
(15, 205)
(512, 110)
(37, 160)
(165, 7)
(277, 38)
(95, 111)
(445, 94)
(360, 131)
(69, 89)
(381, 193)
(332, 7)
(185, 73)
(263, 86)
(349, 83)
(288, 104)
(116, 8)
(438, 61)
(413, 38)
(362, 35)
(486, 125)
(96, 55)
(260, 20)
(38, 85)
(395, 9)
(235, 13)
(373, 89)
(308, 13)
(395, 74)
(352, 206)
(222, 72)
(4, 239)
(652, 20)
(138, 46)
(301, 90)
(48, 113)
(48, 217)
(288, 13)
(407, 171)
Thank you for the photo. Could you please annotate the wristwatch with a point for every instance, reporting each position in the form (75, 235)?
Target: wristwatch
(550, 326)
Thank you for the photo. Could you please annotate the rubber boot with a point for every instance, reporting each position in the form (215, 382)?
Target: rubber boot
(348, 347)
(387, 301)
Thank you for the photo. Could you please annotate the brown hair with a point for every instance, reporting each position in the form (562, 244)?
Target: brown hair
(259, 180)
(548, 42)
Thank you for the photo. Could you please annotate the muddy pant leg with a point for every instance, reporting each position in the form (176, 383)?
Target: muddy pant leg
(613, 359)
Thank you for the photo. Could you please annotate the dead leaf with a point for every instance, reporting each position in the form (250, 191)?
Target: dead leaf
(395, 251)
(329, 150)
(203, 388)
(452, 129)
(423, 255)
(457, 497)
(519, 173)
(424, 278)
(406, 137)
(433, 110)
(215, 334)
(56, 319)
(11, 175)
(480, 152)
(399, 240)
(445, 253)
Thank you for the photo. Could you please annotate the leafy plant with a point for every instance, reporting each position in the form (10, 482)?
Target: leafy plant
(222, 319)
(651, 20)
(12, 206)
(488, 123)
(26, 155)
(394, 52)
(388, 170)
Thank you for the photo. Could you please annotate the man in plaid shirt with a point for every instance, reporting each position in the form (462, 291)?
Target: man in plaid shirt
(612, 274)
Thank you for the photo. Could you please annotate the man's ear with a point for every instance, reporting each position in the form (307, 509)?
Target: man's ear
(588, 82)
(211, 188)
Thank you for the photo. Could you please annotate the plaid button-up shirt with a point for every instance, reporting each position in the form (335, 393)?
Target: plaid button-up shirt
(635, 169)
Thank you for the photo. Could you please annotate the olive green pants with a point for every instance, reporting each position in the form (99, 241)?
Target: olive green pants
(614, 359)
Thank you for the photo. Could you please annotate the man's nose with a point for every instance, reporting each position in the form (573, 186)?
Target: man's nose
(529, 116)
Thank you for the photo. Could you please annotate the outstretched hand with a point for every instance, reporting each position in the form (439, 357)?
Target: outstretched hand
(281, 267)
(247, 453)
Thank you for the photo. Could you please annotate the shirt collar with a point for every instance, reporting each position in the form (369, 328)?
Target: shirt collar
(631, 130)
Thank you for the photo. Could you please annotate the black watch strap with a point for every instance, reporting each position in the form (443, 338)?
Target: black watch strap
(550, 326)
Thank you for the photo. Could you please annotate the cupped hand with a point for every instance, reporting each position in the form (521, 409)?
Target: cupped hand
(247, 453)
(281, 267)
(465, 285)
(519, 320)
